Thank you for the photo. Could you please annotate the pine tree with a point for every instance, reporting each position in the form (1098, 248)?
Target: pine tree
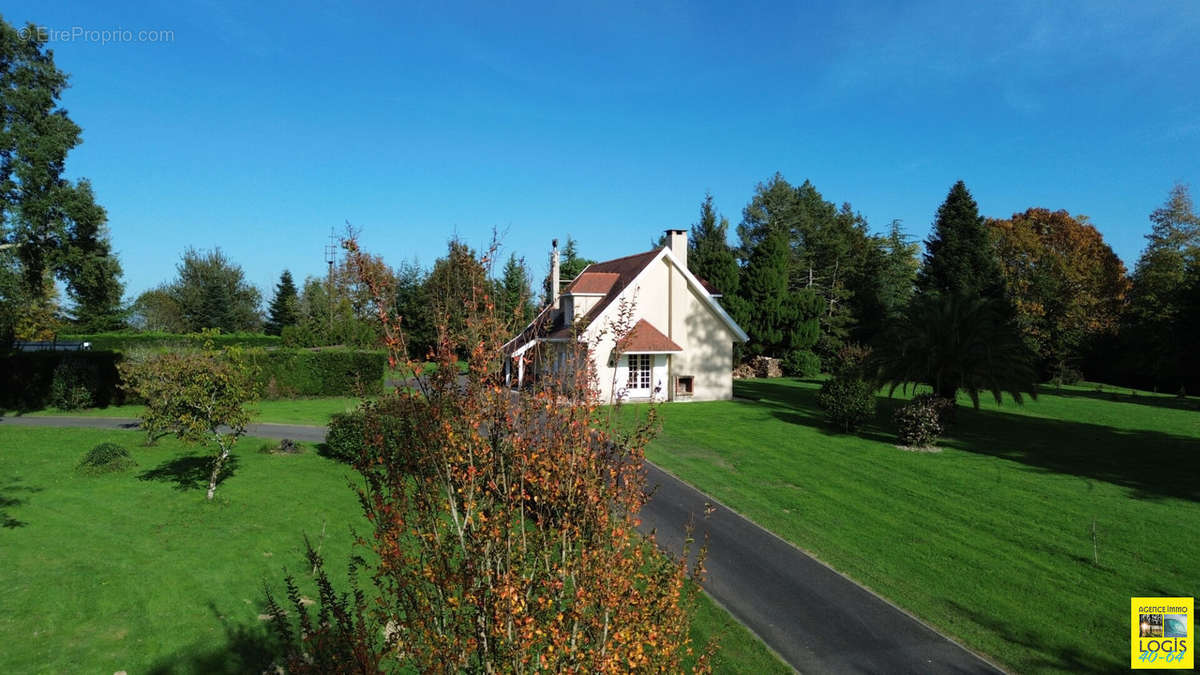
(900, 269)
(709, 254)
(57, 225)
(958, 255)
(959, 330)
(414, 309)
(1157, 337)
(285, 306)
(515, 304)
(778, 319)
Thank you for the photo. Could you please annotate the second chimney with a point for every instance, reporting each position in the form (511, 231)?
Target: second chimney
(677, 242)
(554, 273)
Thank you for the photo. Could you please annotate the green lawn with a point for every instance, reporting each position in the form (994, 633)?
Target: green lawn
(137, 572)
(988, 540)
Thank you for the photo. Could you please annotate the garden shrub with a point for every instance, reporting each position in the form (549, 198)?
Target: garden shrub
(346, 436)
(849, 402)
(36, 380)
(349, 433)
(801, 363)
(106, 458)
(919, 423)
(286, 373)
(944, 407)
(74, 383)
(1066, 375)
(284, 447)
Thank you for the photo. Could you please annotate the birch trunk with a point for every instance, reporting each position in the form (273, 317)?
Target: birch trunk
(216, 472)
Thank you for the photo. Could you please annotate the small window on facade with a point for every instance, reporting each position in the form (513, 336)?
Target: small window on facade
(684, 385)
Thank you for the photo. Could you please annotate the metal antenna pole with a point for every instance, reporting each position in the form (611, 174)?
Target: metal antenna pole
(330, 258)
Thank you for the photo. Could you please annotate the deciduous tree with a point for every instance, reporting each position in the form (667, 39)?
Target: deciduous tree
(502, 528)
(211, 292)
(1066, 284)
(200, 396)
(156, 310)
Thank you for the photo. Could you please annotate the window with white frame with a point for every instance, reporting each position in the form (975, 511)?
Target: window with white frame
(640, 371)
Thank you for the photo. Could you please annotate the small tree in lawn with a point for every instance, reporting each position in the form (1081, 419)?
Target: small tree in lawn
(200, 396)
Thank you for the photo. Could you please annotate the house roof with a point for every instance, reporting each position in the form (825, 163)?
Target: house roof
(593, 282)
(613, 276)
(645, 338)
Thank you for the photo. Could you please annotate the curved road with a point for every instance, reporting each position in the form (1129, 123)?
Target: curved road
(816, 619)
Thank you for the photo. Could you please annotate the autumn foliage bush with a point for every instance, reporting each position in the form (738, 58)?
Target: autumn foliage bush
(502, 529)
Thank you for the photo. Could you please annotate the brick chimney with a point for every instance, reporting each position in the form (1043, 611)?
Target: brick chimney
(677, 242)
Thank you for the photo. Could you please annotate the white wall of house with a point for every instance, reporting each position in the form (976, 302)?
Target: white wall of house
(663, 297)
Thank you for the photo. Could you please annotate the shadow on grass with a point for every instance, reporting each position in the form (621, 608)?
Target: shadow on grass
(190, 472)
(1113, 395)
(1153, 464)
(1042, 655)
(798, 405)
(8, 500)
(247, 649)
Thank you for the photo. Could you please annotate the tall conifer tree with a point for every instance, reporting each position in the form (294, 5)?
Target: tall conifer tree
(709, 254)
(958, 255)
(285, 306)
(55, 224)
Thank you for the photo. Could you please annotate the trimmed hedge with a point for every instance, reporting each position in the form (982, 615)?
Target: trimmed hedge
(36, 380)
(120, 341)
(288, 373)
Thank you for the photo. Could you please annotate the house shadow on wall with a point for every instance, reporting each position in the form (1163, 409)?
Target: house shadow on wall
(1152, 464)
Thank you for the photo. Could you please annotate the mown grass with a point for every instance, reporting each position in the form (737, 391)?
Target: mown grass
(137, 572)
(989, 540)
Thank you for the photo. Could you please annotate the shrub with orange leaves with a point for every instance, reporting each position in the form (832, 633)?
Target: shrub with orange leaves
(503, 525)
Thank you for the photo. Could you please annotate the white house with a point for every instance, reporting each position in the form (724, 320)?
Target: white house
(680, 347)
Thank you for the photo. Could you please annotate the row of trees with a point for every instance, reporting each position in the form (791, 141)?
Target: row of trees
(805, 275)
(211, 291)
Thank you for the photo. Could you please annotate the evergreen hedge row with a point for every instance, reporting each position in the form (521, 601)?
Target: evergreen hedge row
(37, 380)
(288, 373)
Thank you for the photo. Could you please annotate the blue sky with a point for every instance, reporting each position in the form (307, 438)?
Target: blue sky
(259, 125)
